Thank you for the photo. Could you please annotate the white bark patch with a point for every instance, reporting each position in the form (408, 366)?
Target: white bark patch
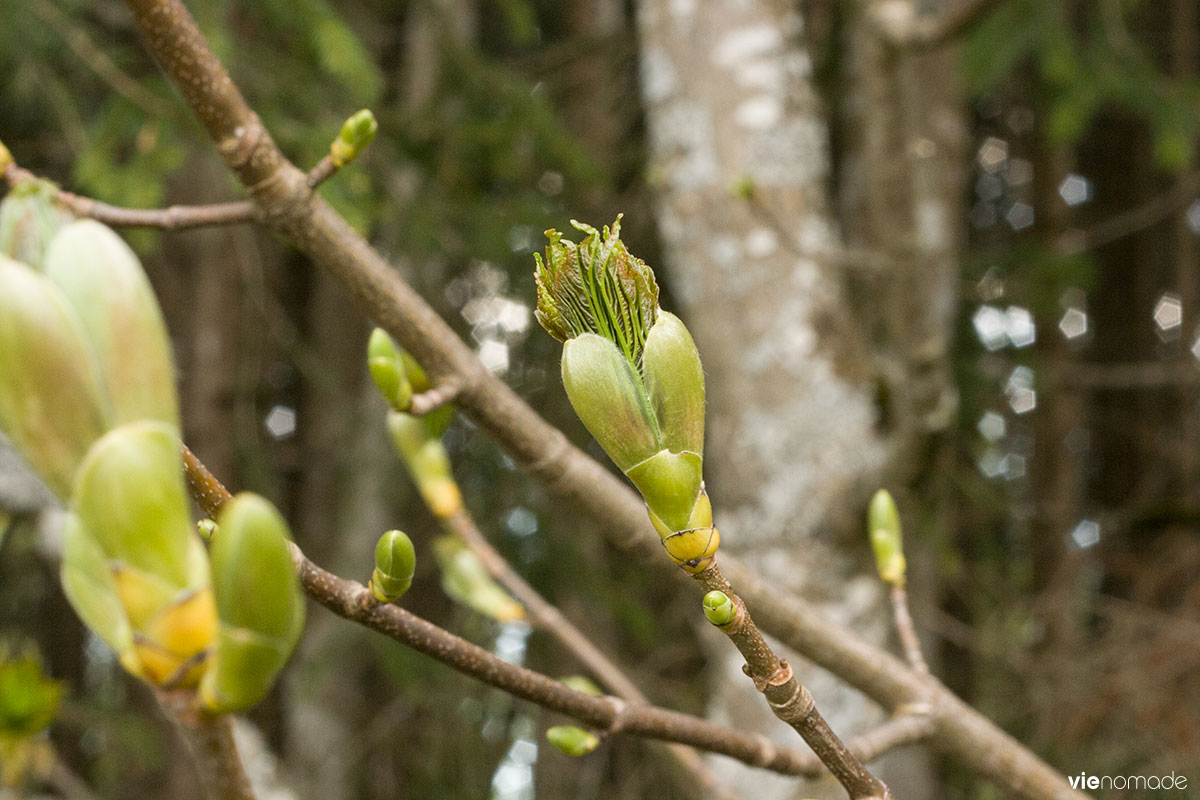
(759, 113)
(933, 232)
(761, 242)
(743, 44)
(792, 153)
(685, 143)
(659, 81)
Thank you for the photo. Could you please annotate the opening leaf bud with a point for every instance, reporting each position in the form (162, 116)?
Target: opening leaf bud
(30, 216)
(259, 604)
(52, 405)
(103, 281)
(718, 608)
(883, 520)
(607, 395)
(387, 370)
(675, 383)
(572, 740)
(356, 135)
(395, 562)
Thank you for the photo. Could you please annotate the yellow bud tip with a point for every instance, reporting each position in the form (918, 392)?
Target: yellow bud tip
(5, 157)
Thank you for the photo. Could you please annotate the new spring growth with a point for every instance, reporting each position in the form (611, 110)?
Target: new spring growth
(356, 135)
(30, 216)
(387, 370)
(718, 608)
(28, 703)
(633, 375)
(571, 740)
(466, 580)
(883, 521)
(395, 562)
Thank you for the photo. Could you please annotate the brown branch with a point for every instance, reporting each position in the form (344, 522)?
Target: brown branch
(907, 630)
(545, 616)
(290, 208)
(353, 601)
(1126, 223)
(433, 399)
(788, 698)
(901, 25)
(210, 741)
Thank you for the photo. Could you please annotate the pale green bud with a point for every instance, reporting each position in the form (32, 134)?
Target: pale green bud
(608, 397)
(883, 520)
(427, 462)
(30, 216)
(28, 698)
(129, 494)
(395, 562)
(356, 135)
(572, 740)
(105, 284)
(675, 384)
(670, 483)
(259, 603)
(51, 403)
(207, 528)
(466, 580)
(718, 608)
(90, 588)
(387, 370)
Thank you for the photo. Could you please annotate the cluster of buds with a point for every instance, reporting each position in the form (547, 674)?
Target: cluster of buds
(418, 442)
(87, 395)
(633, 375)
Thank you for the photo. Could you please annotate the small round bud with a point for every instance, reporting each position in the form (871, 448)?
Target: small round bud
(583, 684)
(356, 135)
(718, 608)
(572, 740)
(207, 528)
(395, 562)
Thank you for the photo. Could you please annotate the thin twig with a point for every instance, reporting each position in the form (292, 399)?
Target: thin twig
(1126, 223)
(433, 399)
(548, 618)
(908, 632)
(289, 208)
(611, 715)
(788, 698)
(210, 741)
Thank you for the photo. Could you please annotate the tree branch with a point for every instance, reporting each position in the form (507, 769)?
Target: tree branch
(289, 207)
(210, 741)
(908, 632)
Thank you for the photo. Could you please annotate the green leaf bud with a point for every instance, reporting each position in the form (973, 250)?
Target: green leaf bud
(581, 683)
(572, 740)
(207, 528)
(427, 462)
(356, 135)
(395, 562)
(670, 483)
(718, 608)
(387, 370)
(258, 601)
(30, 216)
(883, 520)
(104, 283)
(130, 496)
(675, 384)
(51, 403)
(28, 698)
(607, 395)
(466, 581)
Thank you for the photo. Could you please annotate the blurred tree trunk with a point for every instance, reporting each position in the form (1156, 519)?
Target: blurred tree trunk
(828, 371)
